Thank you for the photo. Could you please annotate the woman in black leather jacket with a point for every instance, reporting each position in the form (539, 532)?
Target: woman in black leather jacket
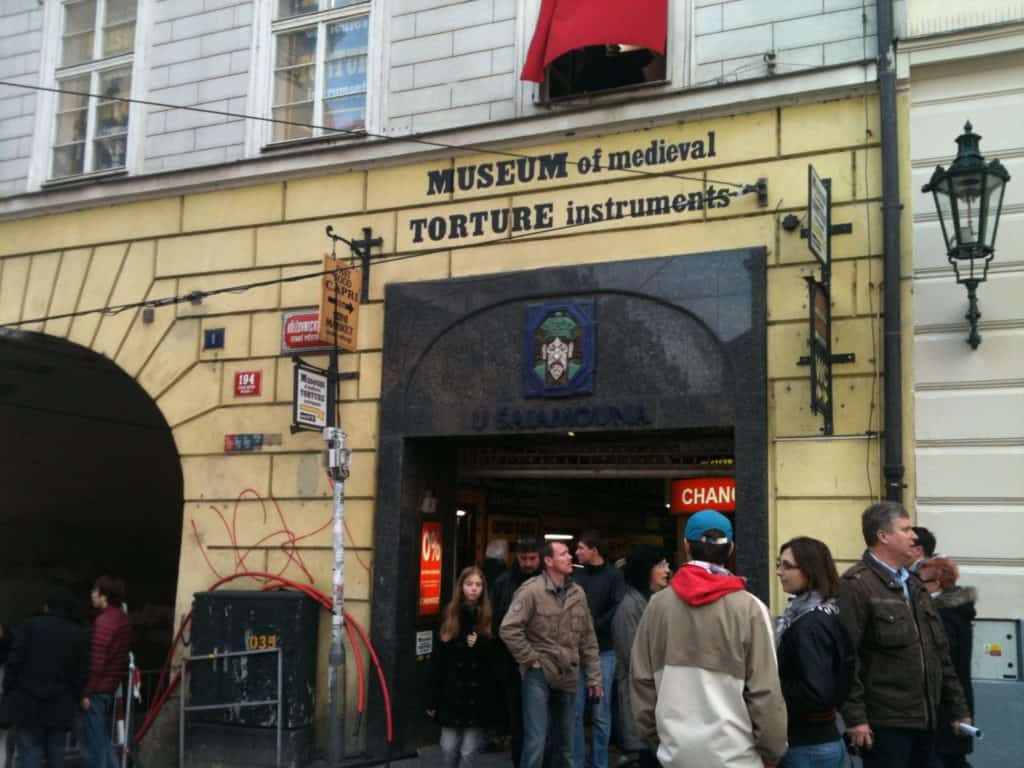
(815, 654)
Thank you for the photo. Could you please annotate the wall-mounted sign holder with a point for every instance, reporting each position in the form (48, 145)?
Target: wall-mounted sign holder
(818, 233)
(363, 250)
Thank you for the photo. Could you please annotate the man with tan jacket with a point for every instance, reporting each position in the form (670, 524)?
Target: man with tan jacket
(549, 632)
(704, 685)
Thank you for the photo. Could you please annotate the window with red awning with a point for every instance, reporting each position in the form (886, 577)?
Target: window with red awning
(617, 26)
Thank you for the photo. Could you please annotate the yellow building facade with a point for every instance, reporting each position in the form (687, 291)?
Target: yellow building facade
(170, 246)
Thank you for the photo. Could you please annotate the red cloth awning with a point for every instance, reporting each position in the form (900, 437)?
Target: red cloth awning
(564, 25)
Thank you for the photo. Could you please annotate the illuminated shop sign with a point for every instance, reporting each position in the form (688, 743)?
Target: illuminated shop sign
(695, 494)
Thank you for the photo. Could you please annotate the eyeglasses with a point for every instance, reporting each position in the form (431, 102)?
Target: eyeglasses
(786, 566)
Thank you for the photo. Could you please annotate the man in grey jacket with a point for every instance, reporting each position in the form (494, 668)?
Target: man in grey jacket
(549, 632)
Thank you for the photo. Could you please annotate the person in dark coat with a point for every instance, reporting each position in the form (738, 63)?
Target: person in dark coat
(603, 584)
(815, 655)
(956, 609)
(510, 683)
(646, 571)
(6, 733)
(5, 643)
(44, 677)
(495, 560)
(463, 687)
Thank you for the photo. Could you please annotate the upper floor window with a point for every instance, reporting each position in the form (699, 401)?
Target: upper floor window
(320, 67)
(97, 42)
(617, 46)
(597, 68)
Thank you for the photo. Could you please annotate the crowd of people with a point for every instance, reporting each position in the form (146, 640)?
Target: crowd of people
(680, 670)
(58, 677)
(689, 670)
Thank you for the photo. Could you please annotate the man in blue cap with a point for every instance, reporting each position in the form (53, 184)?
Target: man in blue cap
(704, 685)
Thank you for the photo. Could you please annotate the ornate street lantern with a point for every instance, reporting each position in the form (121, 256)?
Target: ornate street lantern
(969, 199)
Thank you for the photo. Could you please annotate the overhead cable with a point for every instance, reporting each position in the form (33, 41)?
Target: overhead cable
(411, 138)
(196, 296)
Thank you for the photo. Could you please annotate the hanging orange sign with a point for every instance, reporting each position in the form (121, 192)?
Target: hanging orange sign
(695, 494)
(341, 289)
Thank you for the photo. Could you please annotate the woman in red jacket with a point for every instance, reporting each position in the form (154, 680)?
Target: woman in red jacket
(111, 639)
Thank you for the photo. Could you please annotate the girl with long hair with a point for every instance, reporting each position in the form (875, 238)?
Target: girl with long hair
(463, 686)
(815, 654)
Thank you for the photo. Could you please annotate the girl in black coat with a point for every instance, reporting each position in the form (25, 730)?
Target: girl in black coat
(815, 655)
(463, 687)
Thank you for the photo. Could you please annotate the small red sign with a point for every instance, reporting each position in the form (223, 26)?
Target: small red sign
(430, 569)
(248, 383)
(301, 330)
(695, 494)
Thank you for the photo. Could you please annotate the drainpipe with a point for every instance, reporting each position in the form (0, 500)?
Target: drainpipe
(891, 209)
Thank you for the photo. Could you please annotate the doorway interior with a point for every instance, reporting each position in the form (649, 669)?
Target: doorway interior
(555, 487)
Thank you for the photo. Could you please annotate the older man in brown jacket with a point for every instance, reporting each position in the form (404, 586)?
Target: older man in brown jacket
(904, 675)
(550, 633)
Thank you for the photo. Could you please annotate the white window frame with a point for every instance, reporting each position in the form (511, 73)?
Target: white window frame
(678, 58)
(52, 71)
(260, 134)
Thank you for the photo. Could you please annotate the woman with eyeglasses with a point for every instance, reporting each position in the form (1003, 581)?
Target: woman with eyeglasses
(814, 652)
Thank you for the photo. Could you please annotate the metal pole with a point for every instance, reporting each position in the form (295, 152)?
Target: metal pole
(128, 711)
(338, 465)
(181, 713)
(893, 468)
(280, 702)
(336, 671)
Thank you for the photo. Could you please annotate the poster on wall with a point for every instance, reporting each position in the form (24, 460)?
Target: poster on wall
(430, 569)
(309, 401)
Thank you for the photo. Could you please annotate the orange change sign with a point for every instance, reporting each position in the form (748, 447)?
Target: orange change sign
(695, 494)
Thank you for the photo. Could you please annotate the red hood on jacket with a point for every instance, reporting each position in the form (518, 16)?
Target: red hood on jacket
(698, 586)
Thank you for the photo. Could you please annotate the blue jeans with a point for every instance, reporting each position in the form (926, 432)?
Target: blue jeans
(36, 745)
(827, 755)
(460, 746)
(97, 751)
(600, 717)
(540, 701)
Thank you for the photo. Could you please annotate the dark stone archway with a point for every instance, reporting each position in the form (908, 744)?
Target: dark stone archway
(680, 344)
(91, 483)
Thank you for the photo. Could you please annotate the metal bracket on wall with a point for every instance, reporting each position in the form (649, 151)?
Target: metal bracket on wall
(362, 249)
(845, 357)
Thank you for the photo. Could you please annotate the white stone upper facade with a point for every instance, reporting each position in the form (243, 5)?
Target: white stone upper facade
(423, 66)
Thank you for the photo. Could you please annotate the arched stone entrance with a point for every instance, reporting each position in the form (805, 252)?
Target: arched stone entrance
(92, 484)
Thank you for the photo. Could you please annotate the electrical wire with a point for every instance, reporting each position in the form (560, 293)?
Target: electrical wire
(412, 138)
(197, 296)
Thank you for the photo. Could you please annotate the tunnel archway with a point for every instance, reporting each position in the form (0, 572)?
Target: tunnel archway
(92, 484)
